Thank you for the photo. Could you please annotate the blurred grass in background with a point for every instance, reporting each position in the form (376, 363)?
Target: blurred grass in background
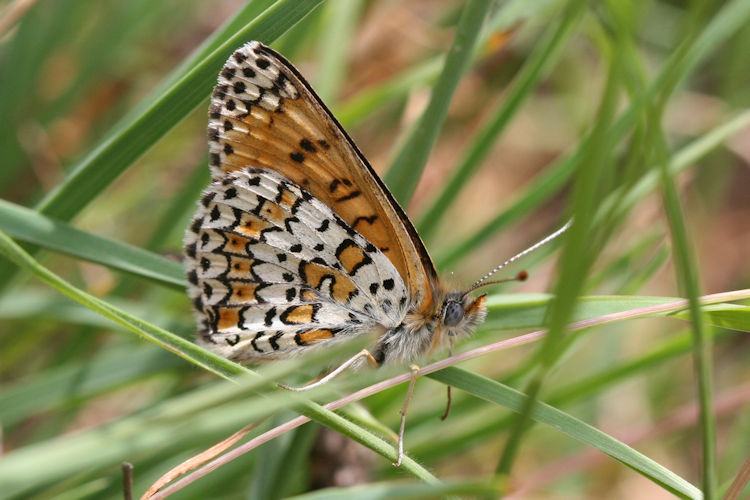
(632, 116)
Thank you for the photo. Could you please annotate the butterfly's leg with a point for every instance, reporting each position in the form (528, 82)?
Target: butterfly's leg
(364, 353)
(409, 392)
(447, 404)
(448, 389)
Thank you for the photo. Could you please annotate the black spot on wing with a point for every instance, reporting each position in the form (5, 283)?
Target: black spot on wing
(206, 201)
(256, 338)
(268, 320)
(370, 220)
(350, 196)
(193, 277)
(273, 340)
(214, 159)
(307, 145)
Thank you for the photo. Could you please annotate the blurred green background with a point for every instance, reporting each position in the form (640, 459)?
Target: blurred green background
(632, 116)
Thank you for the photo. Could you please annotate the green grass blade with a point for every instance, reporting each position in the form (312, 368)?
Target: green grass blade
(512, 399)
(236, 23)
(406, 169)
(67, 385)
(136, 436)
(41, 29)
(591, 385)
(183, 348)
(182, 203)
(30, 226)
(687, 276)
(357, 108)
(517, 311)
(406, 491)
(577, 257)
(724, 24)
(539, 63)
(339, 20)
(733, 316)
(42, 306)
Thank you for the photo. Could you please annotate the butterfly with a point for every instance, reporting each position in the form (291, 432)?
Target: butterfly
(297, 243)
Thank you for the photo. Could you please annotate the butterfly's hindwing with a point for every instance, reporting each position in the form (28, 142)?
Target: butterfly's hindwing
(275, 269)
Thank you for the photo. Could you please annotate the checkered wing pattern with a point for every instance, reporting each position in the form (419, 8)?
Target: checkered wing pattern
(275, 270)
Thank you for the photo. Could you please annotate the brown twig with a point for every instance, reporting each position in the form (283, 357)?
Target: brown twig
(196, 461)
(739, 483)
(127, 480)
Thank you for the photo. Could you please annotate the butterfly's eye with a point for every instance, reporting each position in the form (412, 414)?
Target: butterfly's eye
(453, 313)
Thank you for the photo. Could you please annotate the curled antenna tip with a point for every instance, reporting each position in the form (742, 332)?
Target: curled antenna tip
(522, 276)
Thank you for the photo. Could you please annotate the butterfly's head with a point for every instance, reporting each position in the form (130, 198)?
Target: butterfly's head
(461, 313)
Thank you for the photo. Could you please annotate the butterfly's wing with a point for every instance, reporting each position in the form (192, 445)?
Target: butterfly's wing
(264, 114)
(273, 269)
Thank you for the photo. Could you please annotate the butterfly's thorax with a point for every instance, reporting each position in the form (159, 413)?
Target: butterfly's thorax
(424, 328)
(297, 243)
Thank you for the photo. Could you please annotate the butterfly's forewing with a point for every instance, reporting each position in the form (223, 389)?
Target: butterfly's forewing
(264, 114)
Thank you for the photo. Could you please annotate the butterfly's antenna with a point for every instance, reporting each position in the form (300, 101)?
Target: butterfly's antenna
(533, 247)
